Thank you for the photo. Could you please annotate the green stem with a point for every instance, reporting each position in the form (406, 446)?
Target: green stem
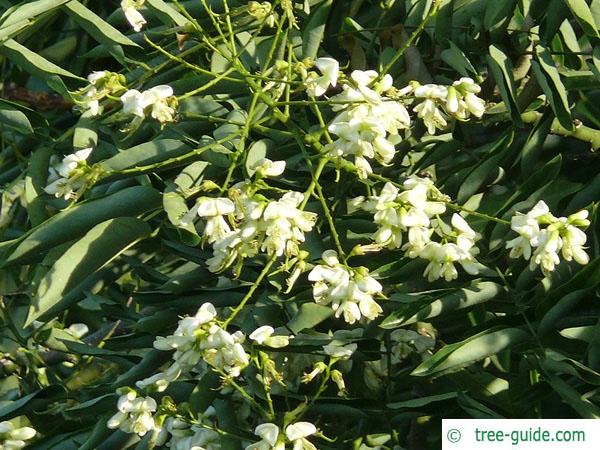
(580, 132)
(250, 292)
(413, 37)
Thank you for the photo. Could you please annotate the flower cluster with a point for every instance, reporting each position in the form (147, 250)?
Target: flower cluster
(368, 123)
(398, 213)
(198, 340)
(101, 84)
(132, 14)
(186, 436)
(135, 414)
(241, 226)
(159, 101)
(443, 256)
(349, 291)
(71, 176)
(12, 438)
(272, 438)
(542, 236)
(414, 212)
(438, 101)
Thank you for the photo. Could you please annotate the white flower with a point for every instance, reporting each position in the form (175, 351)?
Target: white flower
(573, 240)
(316, 85)
(135, 414)
(136, 103)
(350, 292)
(70, 162)
(462, 99)
(547, 244)
(224, 351)
(12, 438)
(297, 434)
(264, 335)
(428, 110)
(269, 434)
(132, 103)
(78, 330)
(133, 16)
(64, 179)
(264, 167)
(335, 349)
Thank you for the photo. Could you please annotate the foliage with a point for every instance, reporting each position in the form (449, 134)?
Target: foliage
(112, 208)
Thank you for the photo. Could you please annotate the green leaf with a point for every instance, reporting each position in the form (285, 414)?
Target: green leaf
(34, 63)
(97, 248)
(586, 333)
(479, 292)
(497, 12)
(585, 408)
(309, 315)
(93, 24)
(476, 409)
(15, 119)
(549, 80)
(314, 30)
(455, 58)
(76, 221)
(167, 13)
(502, 69)
(560, 308)
(256, 152)
(191, 176)
(422, 401)
(85, 134)
(175, 206)
(583, 14)
(535, 141)
(454, 357)
(146, 154)
(494, 152)
(28, 11)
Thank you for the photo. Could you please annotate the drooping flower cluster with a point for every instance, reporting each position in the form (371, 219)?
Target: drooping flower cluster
(71, 176)
(186, 436)
(272, 438)
(348, 290)
(247, 223)
(414, 213)
(135, 414)
(368, 124)
(132, 14)
(12, 438)
(101, 84)
(159, 101)
(437, 102)
(199, 340)
(408, 212)
(443, 256)
(542, 236)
